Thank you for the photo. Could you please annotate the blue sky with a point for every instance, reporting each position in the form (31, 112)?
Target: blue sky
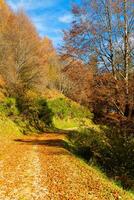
(49, 16)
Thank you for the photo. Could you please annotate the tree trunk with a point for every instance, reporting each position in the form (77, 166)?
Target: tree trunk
(126, 60)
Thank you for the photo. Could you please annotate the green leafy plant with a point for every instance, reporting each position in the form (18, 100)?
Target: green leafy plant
(37, 112)
(110, 148)
(9, 107)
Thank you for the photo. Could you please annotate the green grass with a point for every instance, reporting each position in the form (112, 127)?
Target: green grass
(65, 108)
(8, 128)
(66, 123)
(110, 185)
(76, 124)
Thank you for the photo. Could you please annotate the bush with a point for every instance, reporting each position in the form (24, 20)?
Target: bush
(24, 125)
(89, 138)
(119, 156)
(36, 111)
(45, 114)
(9, 107)
(112, 149)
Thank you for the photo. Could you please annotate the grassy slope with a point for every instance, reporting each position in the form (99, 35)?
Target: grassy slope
(107, 185)
(8, 128)
(67, 113)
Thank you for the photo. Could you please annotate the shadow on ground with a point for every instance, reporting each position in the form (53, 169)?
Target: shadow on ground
(49, 142)
(56, 141)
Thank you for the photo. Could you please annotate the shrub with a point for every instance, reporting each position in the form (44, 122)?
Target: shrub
(89, 138)
(45, 114)
(24, 125)
(118, 155)
(36, 111)
(9, 107)
(112, 149)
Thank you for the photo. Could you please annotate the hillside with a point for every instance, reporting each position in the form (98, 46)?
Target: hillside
(8, 128)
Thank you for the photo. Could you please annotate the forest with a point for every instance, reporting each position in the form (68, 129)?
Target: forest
(83, 89)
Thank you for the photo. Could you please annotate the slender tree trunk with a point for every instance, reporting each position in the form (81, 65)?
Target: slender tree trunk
(108, 7)
(111, 48)
(126, 60)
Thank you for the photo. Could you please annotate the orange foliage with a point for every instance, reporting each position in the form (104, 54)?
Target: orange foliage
(82, 78)
(25, 58)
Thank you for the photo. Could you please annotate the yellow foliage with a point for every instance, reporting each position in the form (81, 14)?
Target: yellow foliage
(3, 5)
(2, 82)
(31, 95)
(50, 59)
(2, 96)
(52, 94)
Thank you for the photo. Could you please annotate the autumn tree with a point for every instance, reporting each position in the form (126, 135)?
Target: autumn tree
(105, 29)
(53, 66)
(80, 77)
(21, 65)
(51, 62)
(4, 15)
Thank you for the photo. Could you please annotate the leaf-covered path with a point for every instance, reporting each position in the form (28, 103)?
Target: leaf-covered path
(39, 168)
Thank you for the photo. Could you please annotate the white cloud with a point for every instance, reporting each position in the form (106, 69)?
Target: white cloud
(45, 16)
(30, 4)
(66, 18)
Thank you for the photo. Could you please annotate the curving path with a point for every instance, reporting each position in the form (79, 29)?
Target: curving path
(39, 168)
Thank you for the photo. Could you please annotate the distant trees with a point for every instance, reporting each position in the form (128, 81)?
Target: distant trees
(51, 62)
(81, 79)
(104, 29)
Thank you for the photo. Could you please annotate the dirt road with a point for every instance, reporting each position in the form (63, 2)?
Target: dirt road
(40, 168)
